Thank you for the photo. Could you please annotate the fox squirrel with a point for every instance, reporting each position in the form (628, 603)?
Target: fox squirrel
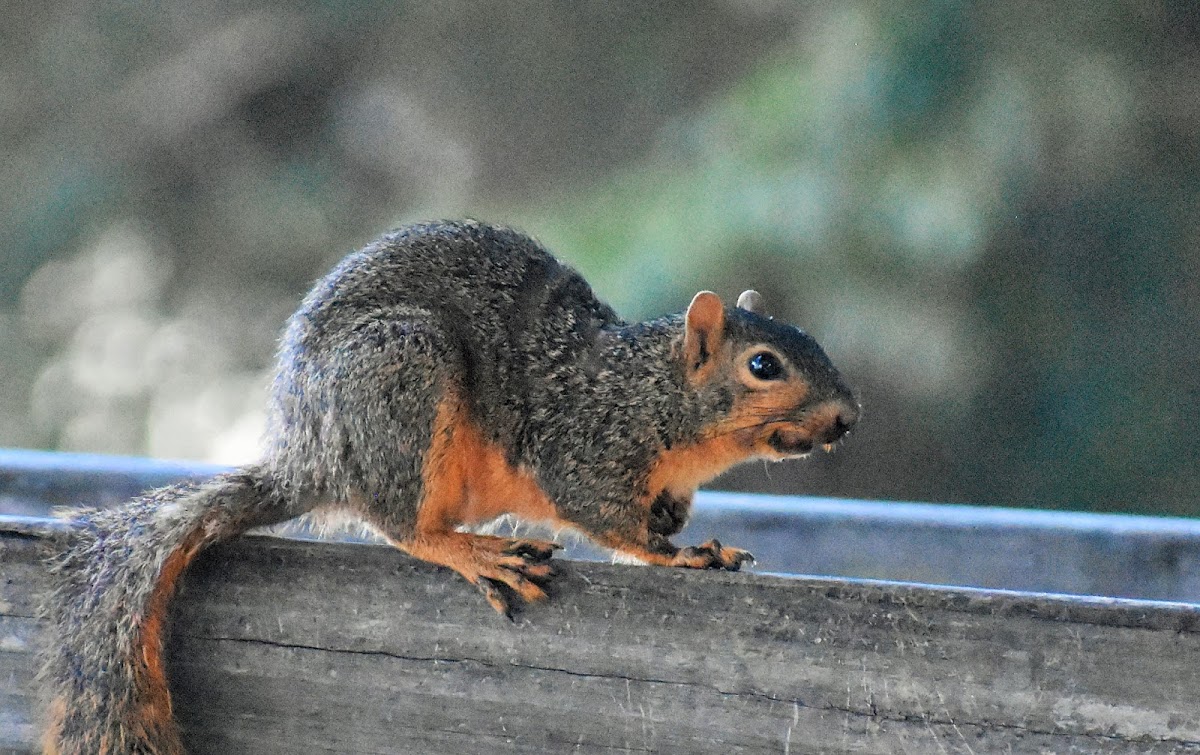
(445, 375)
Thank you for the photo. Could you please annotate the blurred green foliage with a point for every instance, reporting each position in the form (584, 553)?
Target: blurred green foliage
(987, 212)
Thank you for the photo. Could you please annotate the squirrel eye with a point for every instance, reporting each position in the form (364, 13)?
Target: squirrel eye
(765, 366)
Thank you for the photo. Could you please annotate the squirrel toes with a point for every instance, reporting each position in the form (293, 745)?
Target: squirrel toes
(447, 374)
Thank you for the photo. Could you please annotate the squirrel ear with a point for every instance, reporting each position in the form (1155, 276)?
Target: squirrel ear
(703, 334)
(752, 301)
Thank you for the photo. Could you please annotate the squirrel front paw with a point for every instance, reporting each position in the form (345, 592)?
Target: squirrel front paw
(712, 555)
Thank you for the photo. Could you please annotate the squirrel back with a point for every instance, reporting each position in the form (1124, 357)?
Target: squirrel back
(445, 375)
(500, 313)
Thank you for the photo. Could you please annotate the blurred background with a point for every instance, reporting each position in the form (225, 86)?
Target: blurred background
(988, 213)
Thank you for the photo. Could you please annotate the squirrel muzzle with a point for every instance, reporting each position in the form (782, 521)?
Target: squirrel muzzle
(822, 425)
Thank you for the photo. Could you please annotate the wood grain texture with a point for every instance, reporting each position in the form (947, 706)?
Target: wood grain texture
(286, 646)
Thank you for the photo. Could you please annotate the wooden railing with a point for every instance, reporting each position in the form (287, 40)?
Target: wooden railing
(284, 645)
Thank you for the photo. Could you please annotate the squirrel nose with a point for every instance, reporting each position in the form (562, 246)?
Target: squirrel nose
(840, 424)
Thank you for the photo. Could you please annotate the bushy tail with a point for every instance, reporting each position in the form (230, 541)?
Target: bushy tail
(115, 577)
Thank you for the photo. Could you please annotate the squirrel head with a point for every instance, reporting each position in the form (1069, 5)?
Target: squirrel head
(781, 395)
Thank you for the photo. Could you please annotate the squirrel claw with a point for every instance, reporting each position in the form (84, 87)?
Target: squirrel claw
(498, 594)
(741, 557)
(539, 573)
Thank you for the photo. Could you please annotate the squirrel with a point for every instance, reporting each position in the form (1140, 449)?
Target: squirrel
(445, 375)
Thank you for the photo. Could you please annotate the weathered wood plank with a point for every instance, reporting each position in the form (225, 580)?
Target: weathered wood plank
(287, 646)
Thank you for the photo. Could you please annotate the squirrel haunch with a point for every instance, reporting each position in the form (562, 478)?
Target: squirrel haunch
(445, 375)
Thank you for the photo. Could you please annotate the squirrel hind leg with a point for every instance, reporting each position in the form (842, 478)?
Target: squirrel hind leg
(461, 479)
(380, 417)
(416, 468)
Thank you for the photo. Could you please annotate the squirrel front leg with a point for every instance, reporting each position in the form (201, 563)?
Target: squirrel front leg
(645, 530)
